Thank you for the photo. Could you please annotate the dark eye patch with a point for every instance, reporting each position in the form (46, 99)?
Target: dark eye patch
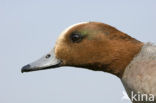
(76, 37)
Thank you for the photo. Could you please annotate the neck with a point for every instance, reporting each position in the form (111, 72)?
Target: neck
(125, 51)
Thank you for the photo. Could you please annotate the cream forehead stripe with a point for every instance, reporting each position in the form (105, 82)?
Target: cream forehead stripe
(67, 29)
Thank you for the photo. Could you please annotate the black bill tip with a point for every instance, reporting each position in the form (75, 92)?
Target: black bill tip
(25, 68)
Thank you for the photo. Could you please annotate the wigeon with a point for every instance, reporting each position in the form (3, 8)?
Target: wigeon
(101, 47)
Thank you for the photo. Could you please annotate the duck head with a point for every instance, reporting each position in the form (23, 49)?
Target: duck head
(92, 45)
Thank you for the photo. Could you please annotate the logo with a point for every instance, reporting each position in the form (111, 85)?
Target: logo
(125, 96)
(139, 97)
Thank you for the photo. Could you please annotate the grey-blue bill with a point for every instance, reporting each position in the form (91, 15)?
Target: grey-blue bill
(45, 62)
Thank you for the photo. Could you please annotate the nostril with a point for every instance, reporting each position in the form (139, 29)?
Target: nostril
(48, 56)
(25, 68)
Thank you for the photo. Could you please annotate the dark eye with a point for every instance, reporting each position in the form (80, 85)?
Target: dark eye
(76, 37)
